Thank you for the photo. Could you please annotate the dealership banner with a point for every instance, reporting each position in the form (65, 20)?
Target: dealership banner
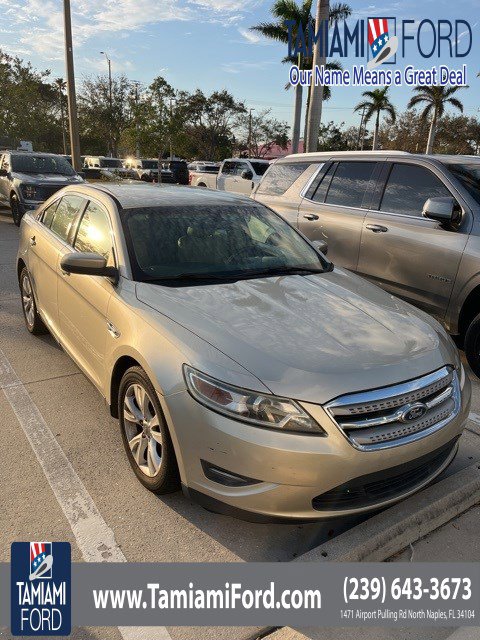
(46, 594)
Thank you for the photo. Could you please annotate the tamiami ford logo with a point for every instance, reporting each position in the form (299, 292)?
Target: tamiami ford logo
(377, 44)
(40, 588)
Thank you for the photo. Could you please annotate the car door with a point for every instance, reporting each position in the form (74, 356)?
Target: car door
(409, 255)
(83, 300)
(226, 176)
(242, 185)
(48, 238)
(335, 205)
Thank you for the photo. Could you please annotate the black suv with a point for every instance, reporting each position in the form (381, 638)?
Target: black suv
(28, 179)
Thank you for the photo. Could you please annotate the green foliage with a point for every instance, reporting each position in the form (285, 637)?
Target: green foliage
(265, 132)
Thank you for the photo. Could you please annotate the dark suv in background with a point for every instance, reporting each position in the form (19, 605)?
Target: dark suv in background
(409, 223)
(27, 179)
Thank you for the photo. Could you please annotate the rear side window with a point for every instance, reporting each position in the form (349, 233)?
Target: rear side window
(65, 215)
(93, 233)
(409, 187)
(49, 213)
(350, 183)
(228, 167)
(280, 177)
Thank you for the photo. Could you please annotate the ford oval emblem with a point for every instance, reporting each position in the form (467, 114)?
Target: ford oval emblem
(414, 412)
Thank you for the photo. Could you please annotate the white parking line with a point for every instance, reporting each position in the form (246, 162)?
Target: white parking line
(94, 537)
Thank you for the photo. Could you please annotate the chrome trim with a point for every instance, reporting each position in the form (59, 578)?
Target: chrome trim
(310, 181)
(396, 395)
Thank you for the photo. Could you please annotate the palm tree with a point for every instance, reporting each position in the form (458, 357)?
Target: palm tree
(284, 10)
(436, 98)
(375, 102)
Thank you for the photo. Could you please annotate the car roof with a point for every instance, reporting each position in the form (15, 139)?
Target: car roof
(318, 156)
(135, 196)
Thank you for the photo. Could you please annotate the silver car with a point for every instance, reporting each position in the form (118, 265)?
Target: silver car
(240, 362)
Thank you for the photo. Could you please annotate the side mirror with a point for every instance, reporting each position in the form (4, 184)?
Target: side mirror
(88, 264)
(445, 209)
(3, 173)
(247, 174)
(321, 245)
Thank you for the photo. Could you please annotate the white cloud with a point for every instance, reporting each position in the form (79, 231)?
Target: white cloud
(242, 67)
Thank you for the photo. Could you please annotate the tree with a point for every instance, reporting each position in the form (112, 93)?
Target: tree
(436, 99)
(375, 102)
(300, 14)
(265, 133)
(99, 122)
(29, 105)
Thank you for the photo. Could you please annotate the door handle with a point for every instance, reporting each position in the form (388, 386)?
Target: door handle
(311, 216)
(377, 228)
(33, 242)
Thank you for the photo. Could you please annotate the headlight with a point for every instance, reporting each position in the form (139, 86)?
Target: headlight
(249, 406)
(29, 191)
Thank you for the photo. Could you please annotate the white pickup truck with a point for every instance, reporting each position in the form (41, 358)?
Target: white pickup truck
(238, 175)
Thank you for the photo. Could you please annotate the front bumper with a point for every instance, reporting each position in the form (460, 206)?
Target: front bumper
(294, 470)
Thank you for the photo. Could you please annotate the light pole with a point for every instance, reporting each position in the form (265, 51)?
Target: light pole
(171, 144)
(136, 84)
(361, 127)
(72, 99)
(250, 132)
(109, 62)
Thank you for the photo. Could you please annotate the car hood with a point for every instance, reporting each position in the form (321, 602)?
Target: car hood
(47, 178)
(312, 337)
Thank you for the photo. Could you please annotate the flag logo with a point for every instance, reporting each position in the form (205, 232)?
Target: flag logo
(41, 560)
(382, 44)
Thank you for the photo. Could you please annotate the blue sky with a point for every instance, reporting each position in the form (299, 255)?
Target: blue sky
(206, 44)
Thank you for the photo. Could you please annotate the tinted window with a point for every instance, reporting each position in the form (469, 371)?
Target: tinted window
(111, 163)
(228, 167)
(49, 213)
(349, 183)
(260, 167)
(29, 163)
(469, 176)
(65, 215)
(216, 240)
(93, 233)
(320, 193)
(240, 167)
(280, 177)
(409, 187)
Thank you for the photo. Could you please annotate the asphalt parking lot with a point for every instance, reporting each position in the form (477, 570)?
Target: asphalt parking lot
(146, 528)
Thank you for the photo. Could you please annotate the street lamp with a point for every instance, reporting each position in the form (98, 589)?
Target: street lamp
(109, 62)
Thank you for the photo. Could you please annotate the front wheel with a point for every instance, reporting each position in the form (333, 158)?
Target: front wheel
(145, 433)
(17, 210)
(472, 345)
(30, 313)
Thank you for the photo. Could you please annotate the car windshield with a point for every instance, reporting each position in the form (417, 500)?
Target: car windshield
(113, 163)
(215, 242)
(469, 176)
(208, 168)
(259, 167)
(41, 164)
(150, 164)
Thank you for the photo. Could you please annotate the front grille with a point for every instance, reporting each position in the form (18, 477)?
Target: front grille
(398, 414)
(44, 192)
(385, 485)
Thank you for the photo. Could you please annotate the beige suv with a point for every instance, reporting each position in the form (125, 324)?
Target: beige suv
(409, 223)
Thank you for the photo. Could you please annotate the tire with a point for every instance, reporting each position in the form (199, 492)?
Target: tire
(201, 184)
(17, 210)
(472, 345)
(32, 318)
(145, 435)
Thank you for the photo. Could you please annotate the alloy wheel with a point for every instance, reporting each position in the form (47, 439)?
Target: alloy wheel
(27, 300)
(142, 429)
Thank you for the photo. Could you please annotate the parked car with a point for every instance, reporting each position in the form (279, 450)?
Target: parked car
(238, 175)
(27, 179)
(102, 162)
(409, 223)
(197, 171)
(239, 361)
(145, 169)
(178, 168)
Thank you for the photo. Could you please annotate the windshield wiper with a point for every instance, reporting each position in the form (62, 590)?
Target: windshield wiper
(194, 276)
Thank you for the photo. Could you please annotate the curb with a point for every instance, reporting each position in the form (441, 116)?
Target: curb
(391, 531)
